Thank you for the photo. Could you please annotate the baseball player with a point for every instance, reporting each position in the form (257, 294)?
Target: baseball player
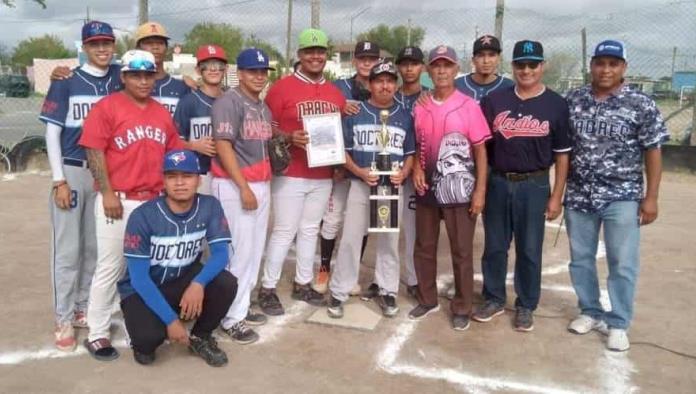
(529, 123)
(74, 246)
(485, 78)
(165, 283)
(615, 132)
(301, 194)
(242, 183)
(125, 135)
(360, 139)
(192, 115)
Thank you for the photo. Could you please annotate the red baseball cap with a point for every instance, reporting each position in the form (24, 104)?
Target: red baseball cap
(206, 52)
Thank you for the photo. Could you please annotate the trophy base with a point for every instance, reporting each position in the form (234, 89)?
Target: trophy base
(382, 230)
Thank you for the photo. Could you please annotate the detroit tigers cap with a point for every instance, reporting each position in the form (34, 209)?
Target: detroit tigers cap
(410, 53)
(181, 160)
(528, 50)
(443, 52)
(96, 30)
(383, 68)
(366, 49)
(207, 52)
(150, 29)
(313, 38)
(611, 48)
(487, 42)
(138, 60)
(253, 59)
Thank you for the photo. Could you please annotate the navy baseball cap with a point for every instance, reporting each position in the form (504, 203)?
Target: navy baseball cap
(182, 160)
(383, 68)
(410, 53)
(443, 52)
(487, 42)
(366, 49)
(527, 50)
(611, 48)
(253, 59)
(96, 30)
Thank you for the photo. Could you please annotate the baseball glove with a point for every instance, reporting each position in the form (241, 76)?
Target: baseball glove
(278, 153)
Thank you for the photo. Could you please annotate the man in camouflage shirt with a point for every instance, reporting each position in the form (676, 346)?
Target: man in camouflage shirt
(614, 130)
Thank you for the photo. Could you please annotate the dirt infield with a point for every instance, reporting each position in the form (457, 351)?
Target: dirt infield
(399, 355)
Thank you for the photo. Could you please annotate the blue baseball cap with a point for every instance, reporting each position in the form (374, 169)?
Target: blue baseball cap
(96, 30)
(182, 160)
(611, 48)
(253, 59)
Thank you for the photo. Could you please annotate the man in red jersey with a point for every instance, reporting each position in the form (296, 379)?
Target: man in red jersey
(300, 195)
(126, 136)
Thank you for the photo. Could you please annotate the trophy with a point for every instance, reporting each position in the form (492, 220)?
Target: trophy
(384, 197)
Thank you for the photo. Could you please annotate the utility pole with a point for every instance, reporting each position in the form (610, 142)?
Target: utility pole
(499, 13)
(583, 33)
(315, 14)
(408, 33)
(674, 60)
(143, 12)
(288, 36)
(87, 17)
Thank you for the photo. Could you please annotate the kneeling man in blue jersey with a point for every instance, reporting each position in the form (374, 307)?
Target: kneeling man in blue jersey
(165, 283)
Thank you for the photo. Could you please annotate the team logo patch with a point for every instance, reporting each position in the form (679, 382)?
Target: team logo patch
(131, 241)
(441, 49)
(486, 40)
(528, 47)
(177, 158)
(526, 126)
(259, 57)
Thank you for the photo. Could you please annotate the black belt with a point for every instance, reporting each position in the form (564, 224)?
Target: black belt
(75, 162)
(520, 176)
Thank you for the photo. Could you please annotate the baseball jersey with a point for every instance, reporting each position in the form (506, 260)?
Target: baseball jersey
(168, 91)
(468, 86)
(608, 140)
(293, 97)
(526, 133)
(360, 133)
(352, 89)
(247, 124)
(409, 101)
(445, 134)
(68, 102)
(192, 118)
(133, 139)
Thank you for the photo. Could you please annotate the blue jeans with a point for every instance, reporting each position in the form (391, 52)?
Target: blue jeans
(621, 237)
(514, 208)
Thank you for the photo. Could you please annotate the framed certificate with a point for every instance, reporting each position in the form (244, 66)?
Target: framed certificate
(325, 146)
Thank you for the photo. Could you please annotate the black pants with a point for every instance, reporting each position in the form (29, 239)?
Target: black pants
(147, 331)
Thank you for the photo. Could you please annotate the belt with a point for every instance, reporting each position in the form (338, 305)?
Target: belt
(75, 162)
(520, 176)
(144, 195)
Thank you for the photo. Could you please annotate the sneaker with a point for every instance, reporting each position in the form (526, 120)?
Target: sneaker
(208, 350)
(618, 340)
(584, 324)
(269, 302)
(355, 291)
(421, 311)
(321, 284)
(388, 304)
(412, 291)
(460, 322)
(255, 319)
(241, 333)
(307, 294)
(79, 319)
(488, 311)
(335, 309)
(371, 292)
(65, 337)
(143, 358)
(524, 319)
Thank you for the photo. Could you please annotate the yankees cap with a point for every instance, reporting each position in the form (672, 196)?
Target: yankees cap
(611, 48)
(383, 68)
(527, 50)
(207, 52)
(96, 30)
(443, 52)
(181, 160)
(366, 49)
(410, 53)
(253, 59)
(487, 42)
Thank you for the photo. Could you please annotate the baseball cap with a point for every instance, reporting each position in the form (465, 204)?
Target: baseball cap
(253, 59)
(443, 52)
(366, 49)
(181, 160)
(487, 42)
(96, 30)
(311, 38)
(383, 68)
(206, 52)
(410, 53)
(611, 48)
(150, 29)
(138, 60)
(528, 50)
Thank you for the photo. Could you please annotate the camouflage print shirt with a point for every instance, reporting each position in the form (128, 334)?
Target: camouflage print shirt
(608, 140)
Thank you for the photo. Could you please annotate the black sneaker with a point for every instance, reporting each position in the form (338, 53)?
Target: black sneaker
(208, 350)
(460, 322)
(307, 294)
(335, 309)
(143, 358)
(524, 319)
(388, 304)
(255, 319)
(371, 292)
(412, 291)
(488, 311)
(241, 333)
(421, 311)
(269, 302)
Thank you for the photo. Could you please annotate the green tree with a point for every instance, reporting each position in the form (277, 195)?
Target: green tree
(45, 47)
(230, 38)
(273, 52)
(4, 54)
(123, 44)
(560, 65)
(393, 38)
(11, 3)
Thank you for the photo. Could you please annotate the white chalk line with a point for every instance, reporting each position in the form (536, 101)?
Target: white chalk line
(615, 371)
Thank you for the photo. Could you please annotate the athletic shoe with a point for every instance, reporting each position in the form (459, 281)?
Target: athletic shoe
(321, 284)
(65, 337)
(584, 324)
(269, 302)
(307, 294)
(143, 358)
(335, 309)
(355, 291)
(208, 350)
(388, 304)
(460, 322)
(618, 340)
(421, 311)
(371, 292)
(488, 311)
(241, 333)
(524, 319)
(412, 291)
(79, 319)
(255, 319)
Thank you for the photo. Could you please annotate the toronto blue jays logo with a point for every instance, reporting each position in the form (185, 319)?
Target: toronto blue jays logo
(177, 157)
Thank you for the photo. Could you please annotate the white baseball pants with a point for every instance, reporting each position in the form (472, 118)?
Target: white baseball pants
(333, 217)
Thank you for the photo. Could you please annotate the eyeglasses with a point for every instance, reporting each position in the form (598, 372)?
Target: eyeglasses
(213, 66)
(522, 66)
(141, 65)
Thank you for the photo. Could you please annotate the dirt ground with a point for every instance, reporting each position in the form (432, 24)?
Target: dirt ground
(399, 355)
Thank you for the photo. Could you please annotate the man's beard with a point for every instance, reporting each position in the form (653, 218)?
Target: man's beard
(454, 188)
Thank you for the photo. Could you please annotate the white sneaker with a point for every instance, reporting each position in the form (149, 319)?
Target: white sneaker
(584, 324)
(356, 290)
(618, 340)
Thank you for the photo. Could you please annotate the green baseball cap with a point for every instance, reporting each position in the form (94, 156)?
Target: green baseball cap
(311, 38)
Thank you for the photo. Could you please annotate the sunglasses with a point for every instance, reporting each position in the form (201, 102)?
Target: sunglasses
(213, 66)
(141, 65)
(523, 65)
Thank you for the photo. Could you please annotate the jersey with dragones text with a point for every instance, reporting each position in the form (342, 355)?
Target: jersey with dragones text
(69, 101)
(192, 117)
(172, 242)
(168, 91)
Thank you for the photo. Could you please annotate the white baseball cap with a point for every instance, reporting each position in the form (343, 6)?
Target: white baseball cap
(138, 60)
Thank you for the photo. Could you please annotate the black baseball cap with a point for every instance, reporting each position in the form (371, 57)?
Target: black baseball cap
(527, 50)
(365, 49)
(410, 53)
(383, 68)
(487, 42)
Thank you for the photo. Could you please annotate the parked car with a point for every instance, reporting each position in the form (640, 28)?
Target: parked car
(14, 85)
